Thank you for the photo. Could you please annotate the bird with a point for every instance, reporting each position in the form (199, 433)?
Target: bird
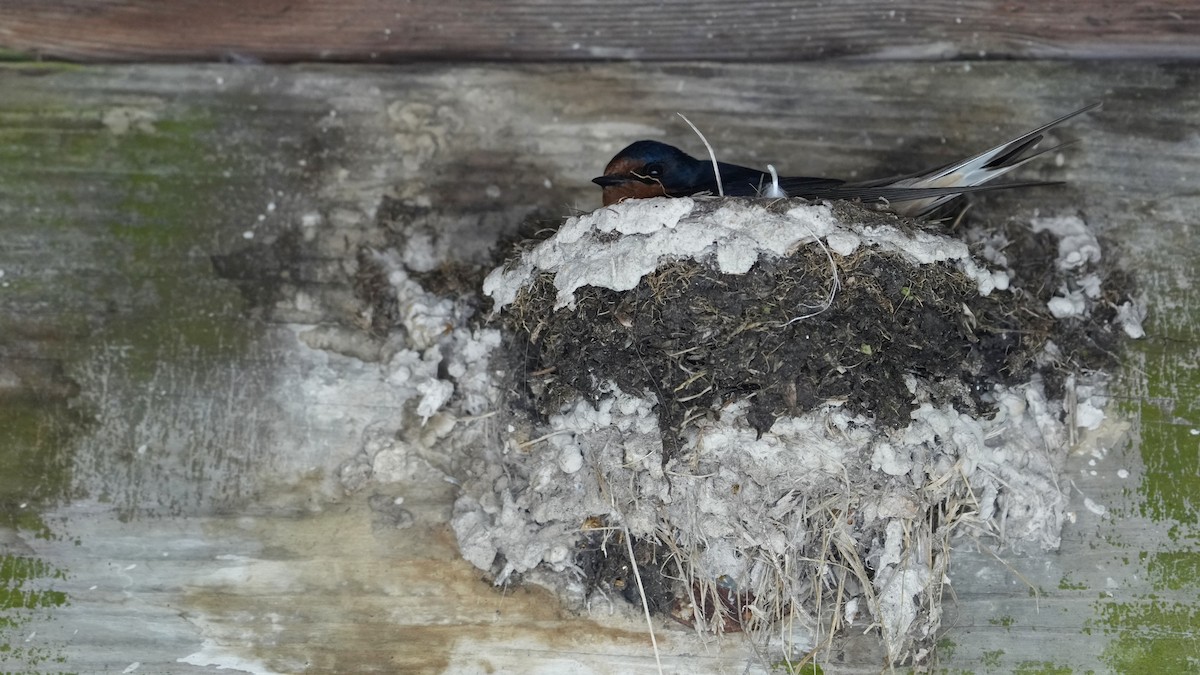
(647, 169)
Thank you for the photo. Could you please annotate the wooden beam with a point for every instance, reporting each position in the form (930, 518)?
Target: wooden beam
(756, 30)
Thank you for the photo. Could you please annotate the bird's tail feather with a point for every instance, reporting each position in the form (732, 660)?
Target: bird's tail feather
(991, 163)
(928, 190)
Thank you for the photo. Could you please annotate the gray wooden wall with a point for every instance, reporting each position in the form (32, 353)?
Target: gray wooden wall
(171, 235)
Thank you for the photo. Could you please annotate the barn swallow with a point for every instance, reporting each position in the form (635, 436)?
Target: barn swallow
(653, 169)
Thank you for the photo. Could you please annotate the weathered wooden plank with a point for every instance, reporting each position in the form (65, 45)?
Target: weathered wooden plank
(378, 30)
(171, 443)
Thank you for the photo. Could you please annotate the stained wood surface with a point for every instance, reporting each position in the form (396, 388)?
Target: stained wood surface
(172, 432)
(757, 30)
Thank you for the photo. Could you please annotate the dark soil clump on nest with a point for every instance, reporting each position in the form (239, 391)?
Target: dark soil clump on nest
(1091, 342)
(603, 559)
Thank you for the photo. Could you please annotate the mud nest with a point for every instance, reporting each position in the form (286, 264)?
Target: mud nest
(828, 417)
(697, 338)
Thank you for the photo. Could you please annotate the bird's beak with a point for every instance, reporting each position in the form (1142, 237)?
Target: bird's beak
(610, 180)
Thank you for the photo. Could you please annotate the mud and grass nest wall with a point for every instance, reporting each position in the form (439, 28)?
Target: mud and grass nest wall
(784, 411)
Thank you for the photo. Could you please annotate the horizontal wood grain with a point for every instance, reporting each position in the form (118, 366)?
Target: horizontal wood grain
(757, 30)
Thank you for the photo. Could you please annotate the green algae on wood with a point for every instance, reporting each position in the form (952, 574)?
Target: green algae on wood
(126, 197)
(27, 593)
(1175, 570)
(1151, 636)
(1156, 631)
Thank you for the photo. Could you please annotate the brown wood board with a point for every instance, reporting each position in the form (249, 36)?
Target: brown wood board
(540, 30)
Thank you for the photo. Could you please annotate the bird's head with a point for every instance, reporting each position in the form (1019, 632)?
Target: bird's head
(652, 169)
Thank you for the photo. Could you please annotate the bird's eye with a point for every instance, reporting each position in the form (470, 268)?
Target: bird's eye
(654, 170)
